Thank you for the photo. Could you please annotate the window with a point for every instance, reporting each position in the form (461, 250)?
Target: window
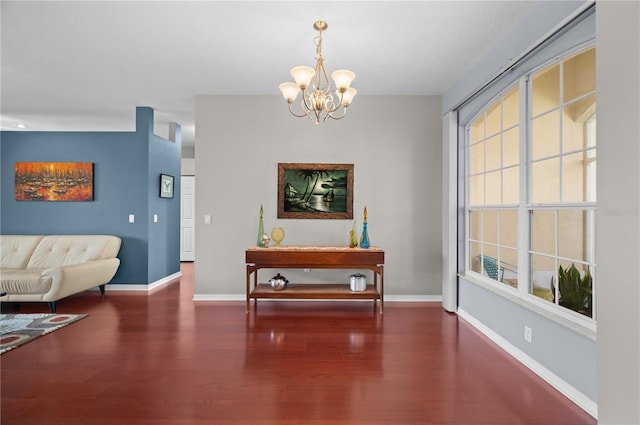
(530, 186)
(493, 175)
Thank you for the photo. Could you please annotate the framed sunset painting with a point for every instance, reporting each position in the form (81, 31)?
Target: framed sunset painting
(54, 181)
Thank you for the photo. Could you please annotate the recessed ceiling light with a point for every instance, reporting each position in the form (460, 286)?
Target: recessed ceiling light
(21, 126)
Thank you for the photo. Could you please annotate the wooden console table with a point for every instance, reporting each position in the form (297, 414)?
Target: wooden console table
(311, 257)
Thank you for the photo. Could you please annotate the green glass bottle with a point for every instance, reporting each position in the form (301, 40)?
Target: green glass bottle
(260, 242)
(353, 242)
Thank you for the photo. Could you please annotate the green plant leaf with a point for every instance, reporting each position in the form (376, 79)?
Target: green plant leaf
(575, 291)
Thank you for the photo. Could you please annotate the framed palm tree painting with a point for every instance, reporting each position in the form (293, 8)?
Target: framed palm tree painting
(316, 191)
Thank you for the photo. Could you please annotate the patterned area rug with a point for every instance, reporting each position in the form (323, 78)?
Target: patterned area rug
(18, 329)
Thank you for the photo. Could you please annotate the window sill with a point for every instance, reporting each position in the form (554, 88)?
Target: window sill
(585, 327)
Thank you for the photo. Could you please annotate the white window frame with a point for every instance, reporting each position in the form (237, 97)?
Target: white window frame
(525, 206)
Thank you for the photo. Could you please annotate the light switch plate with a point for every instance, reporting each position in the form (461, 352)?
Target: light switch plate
(132, 218)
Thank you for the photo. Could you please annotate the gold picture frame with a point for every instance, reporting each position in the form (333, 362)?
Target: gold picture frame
(315, 191)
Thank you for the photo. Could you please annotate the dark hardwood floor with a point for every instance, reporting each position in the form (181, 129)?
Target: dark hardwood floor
(163, 359)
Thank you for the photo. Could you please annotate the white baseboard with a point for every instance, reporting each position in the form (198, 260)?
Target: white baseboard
(573, 394)
(144, 288)
(414, 298)
(219, 297)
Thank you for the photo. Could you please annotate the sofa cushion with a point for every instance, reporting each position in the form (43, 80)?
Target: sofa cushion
(73, 249)
(16, 250)
(28, 281)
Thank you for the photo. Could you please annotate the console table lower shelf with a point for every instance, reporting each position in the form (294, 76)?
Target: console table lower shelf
(318, 258)
(316, 291)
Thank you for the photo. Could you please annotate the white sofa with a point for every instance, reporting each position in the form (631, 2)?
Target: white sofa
(49, 268)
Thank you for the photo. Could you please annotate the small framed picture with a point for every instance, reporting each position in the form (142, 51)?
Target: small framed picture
(166, 186)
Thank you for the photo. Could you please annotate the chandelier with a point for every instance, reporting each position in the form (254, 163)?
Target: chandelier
(318, 103)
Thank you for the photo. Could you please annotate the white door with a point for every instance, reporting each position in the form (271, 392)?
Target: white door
(187, 218)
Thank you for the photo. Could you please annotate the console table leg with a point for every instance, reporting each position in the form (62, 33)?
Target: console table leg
(248, 279)
(381, 290)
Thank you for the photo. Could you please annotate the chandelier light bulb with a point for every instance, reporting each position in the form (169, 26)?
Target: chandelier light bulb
(343, 78)
(289, 91)
(347, 96)
(303, 76)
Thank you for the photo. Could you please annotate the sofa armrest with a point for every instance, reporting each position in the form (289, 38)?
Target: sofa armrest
(71, 279)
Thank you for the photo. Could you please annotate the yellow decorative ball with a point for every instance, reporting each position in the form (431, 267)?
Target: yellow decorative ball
(277, 235)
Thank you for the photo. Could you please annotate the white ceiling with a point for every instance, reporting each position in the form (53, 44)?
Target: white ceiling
(86, 65)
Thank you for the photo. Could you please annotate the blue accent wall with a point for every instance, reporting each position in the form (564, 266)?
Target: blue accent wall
(127, 168)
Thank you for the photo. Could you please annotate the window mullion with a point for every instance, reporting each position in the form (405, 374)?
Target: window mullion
(484, 160)
(561, 132)
(523, 214)
(467, 197)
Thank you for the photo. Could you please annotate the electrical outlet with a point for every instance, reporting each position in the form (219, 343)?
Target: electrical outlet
(307, 270)
(528, 334)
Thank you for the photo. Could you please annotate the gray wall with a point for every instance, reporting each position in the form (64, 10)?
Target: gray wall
(618, 235)
(188, 167)
(394, 144)
(569, 354)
